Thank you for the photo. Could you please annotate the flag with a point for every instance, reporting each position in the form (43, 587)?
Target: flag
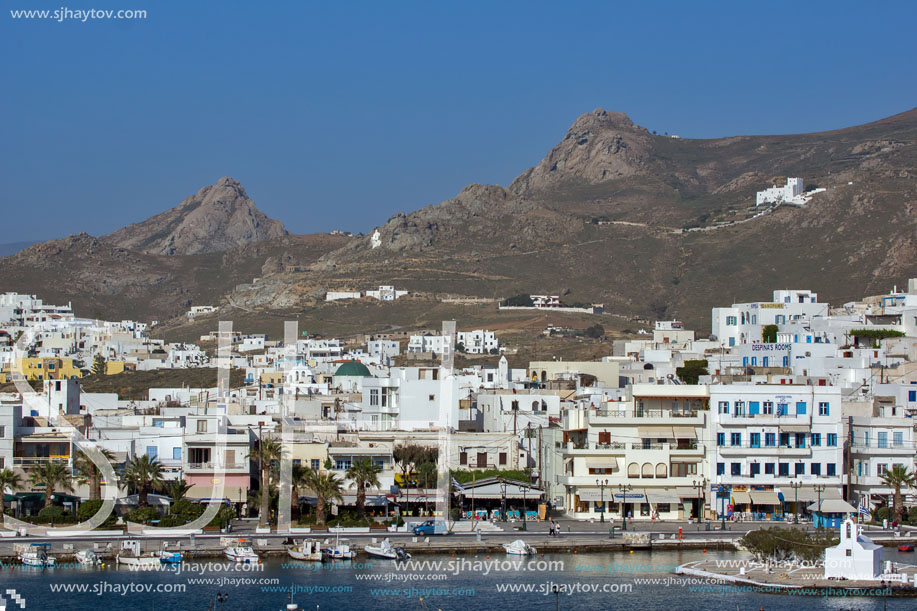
(457, 486)
(864, 511)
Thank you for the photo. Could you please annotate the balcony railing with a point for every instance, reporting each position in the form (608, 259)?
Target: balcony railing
(38, 460)
(211, 466)
(646, 413)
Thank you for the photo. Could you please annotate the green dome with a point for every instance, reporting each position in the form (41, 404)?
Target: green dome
(354, 369)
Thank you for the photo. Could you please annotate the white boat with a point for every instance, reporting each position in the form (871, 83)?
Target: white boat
(130, 555)
(88, 557)
(37, 556)
(241, 554)
(386, 550)
(308, 549)
(167, 557)
(339, 551)
(519, 548)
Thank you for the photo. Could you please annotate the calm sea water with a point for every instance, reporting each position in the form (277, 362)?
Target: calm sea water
(468, 585)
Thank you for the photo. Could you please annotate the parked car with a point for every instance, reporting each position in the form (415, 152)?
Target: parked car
(431, 527)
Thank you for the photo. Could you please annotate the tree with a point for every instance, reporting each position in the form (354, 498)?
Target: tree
(9, 480)
(268, 450)
(899, 477)
(427, 473)
(327, 487)
(363, 472)
(177, 489)
(595, 331)
(98, 365)
(692, 371)
(53, 476)
(519, 301)
(769, 334)
(299, 482)
(88, 472)
(407, 457)
(144, 475)
(460, 347)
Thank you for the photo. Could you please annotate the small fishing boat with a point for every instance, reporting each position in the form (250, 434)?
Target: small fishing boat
(905, 548)
(88, 557)
(167, 557)
(37, 556)
(519, 548)
(386, 550)
(241, 554)
(130, 555)
(339, 551)
(307, 549)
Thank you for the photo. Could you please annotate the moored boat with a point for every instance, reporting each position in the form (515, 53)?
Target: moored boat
(386, 550)
(166, 557)
(37, 556)
(130, 555)
(519, 548)
(88, 557)
(307, 549)
(339, 551)
(905, 548)
(242, 553)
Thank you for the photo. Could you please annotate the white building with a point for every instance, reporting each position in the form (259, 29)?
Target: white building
(742, 322)
(478, 341)
(855, 557)
(426, 343)
(791, 193)
(386, 293)
(877, 444)
(766, 436)
(201, 310)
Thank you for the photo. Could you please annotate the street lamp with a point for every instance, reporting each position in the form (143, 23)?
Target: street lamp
(819, 488)
(556, 598)
(221, 598)
(602, 483)
(700, 485)
(722, 490)
(796, 486)
(503, 506)
(524, 489)
(624, 488)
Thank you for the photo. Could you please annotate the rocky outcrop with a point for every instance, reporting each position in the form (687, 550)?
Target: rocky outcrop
(215, 219)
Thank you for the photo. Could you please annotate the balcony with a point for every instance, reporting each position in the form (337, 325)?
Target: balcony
(763, 451)
(28, 461)
(622, 417)
(213, 466)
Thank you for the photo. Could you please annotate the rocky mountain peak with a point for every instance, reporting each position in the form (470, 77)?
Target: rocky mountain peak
(216, 218)
(601, 145)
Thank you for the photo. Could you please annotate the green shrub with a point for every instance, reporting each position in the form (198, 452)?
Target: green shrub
(142, 515)
(881, 513)
(53, 514)
(912, 515)
(778, 544)
(87, 509)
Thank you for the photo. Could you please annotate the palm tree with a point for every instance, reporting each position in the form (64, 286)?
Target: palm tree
(268, 450)
(11, 480)
(299, 484)
(427, 473)
(327, 487)
(177, 489)
(899, 477)
(53, 476)
(363, 472)
(143, 475)
(89, 473)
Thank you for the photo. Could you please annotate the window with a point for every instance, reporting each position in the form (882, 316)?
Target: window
(721, 439)
(604, 437)
(800, 440)
(768, 408)
(832, 439)
(800, 468)
(2, 431)
(176, 453)
(740, 408)
(316, 464)
(784, 440)
(463, 458)
(784, 469)
(736, 468)
(782, 409)
(800, 408)
(882, 439)
(816, 439)
(815, 468)
(201, 426)
(731, 320)
(880, 469)
(482, 460)
(754, 361)
(912, 395)
(152, 452)
(735, 439)
(431, 398)
(823, 409)
(502, 458)
(724, 407)
(754, 408)
(756, 440)
(770, 439)
(720, 468)
(831, 469)
(374, 396)
(897, 437)
(768, 468)
(755, 469)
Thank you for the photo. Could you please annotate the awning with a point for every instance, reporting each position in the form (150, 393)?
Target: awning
(808, 494)
(832, 506)
(655, 432)
(684, 432)
(630, 497)
(764, 497)
(233, 494)
(794, 428)
(589, 495)
(740, 497)
(609, 462)
(371, 500)
(663, 496)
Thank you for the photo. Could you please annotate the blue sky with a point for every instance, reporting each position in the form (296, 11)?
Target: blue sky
(340, 114)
